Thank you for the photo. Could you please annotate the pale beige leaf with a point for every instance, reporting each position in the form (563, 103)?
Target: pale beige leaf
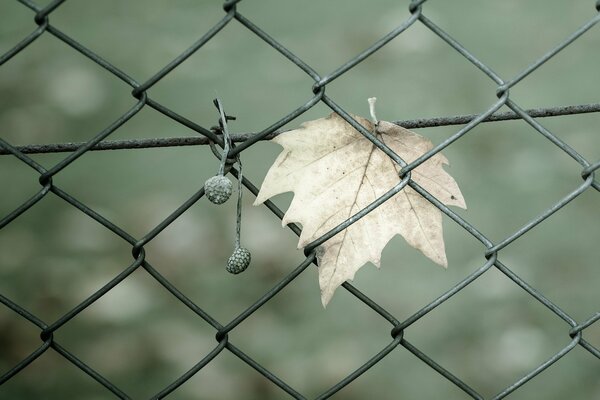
(335, 172)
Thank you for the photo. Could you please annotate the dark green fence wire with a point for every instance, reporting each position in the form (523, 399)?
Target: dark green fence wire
(574, 330)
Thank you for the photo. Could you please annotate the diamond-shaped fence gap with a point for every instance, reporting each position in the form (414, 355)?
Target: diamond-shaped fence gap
(16, 249)
(412, 83)
(19, 339)
(29, 122)
(535, 174)
(156, 351)
(152, 124)
(163, 182)
(510, 334)
(592, 335)
(20, 182)
(16, 28)
(410, 377)
(45, 160)
(65, 97)
(571, 282)
(193, 251)
(579, 132)
(404, 371)
(328, 41)
(318, 110)
(577, 372)
(461, 160)
(326, 350)
(193, 242)
(41, 4)
(225, 378)
(57, 258)
(571, 64)
(142, 49)
(510, 35)
(273, 247)
(259, 77)
(567, 155)
(52, 373)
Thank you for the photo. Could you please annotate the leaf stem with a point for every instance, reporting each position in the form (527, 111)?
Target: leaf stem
(372, 101)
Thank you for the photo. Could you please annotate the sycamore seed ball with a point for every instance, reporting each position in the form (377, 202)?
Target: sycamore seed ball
(238, 261)
(218, 189)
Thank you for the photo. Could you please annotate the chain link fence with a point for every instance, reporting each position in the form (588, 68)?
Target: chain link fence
(575, 329)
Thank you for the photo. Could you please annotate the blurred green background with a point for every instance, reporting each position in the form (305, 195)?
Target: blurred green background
(141, 338)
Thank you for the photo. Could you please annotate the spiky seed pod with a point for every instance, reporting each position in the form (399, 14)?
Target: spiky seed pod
(238, 261)
(218, 189)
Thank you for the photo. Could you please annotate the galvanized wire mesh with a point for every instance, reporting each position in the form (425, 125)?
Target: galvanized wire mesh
(574, 329)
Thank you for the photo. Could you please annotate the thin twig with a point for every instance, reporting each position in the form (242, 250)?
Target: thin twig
(195, 141)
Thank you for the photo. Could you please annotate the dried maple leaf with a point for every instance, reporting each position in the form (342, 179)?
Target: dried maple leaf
(335, 172)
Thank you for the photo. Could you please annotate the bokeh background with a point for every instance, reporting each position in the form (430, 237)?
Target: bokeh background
(141, 338)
